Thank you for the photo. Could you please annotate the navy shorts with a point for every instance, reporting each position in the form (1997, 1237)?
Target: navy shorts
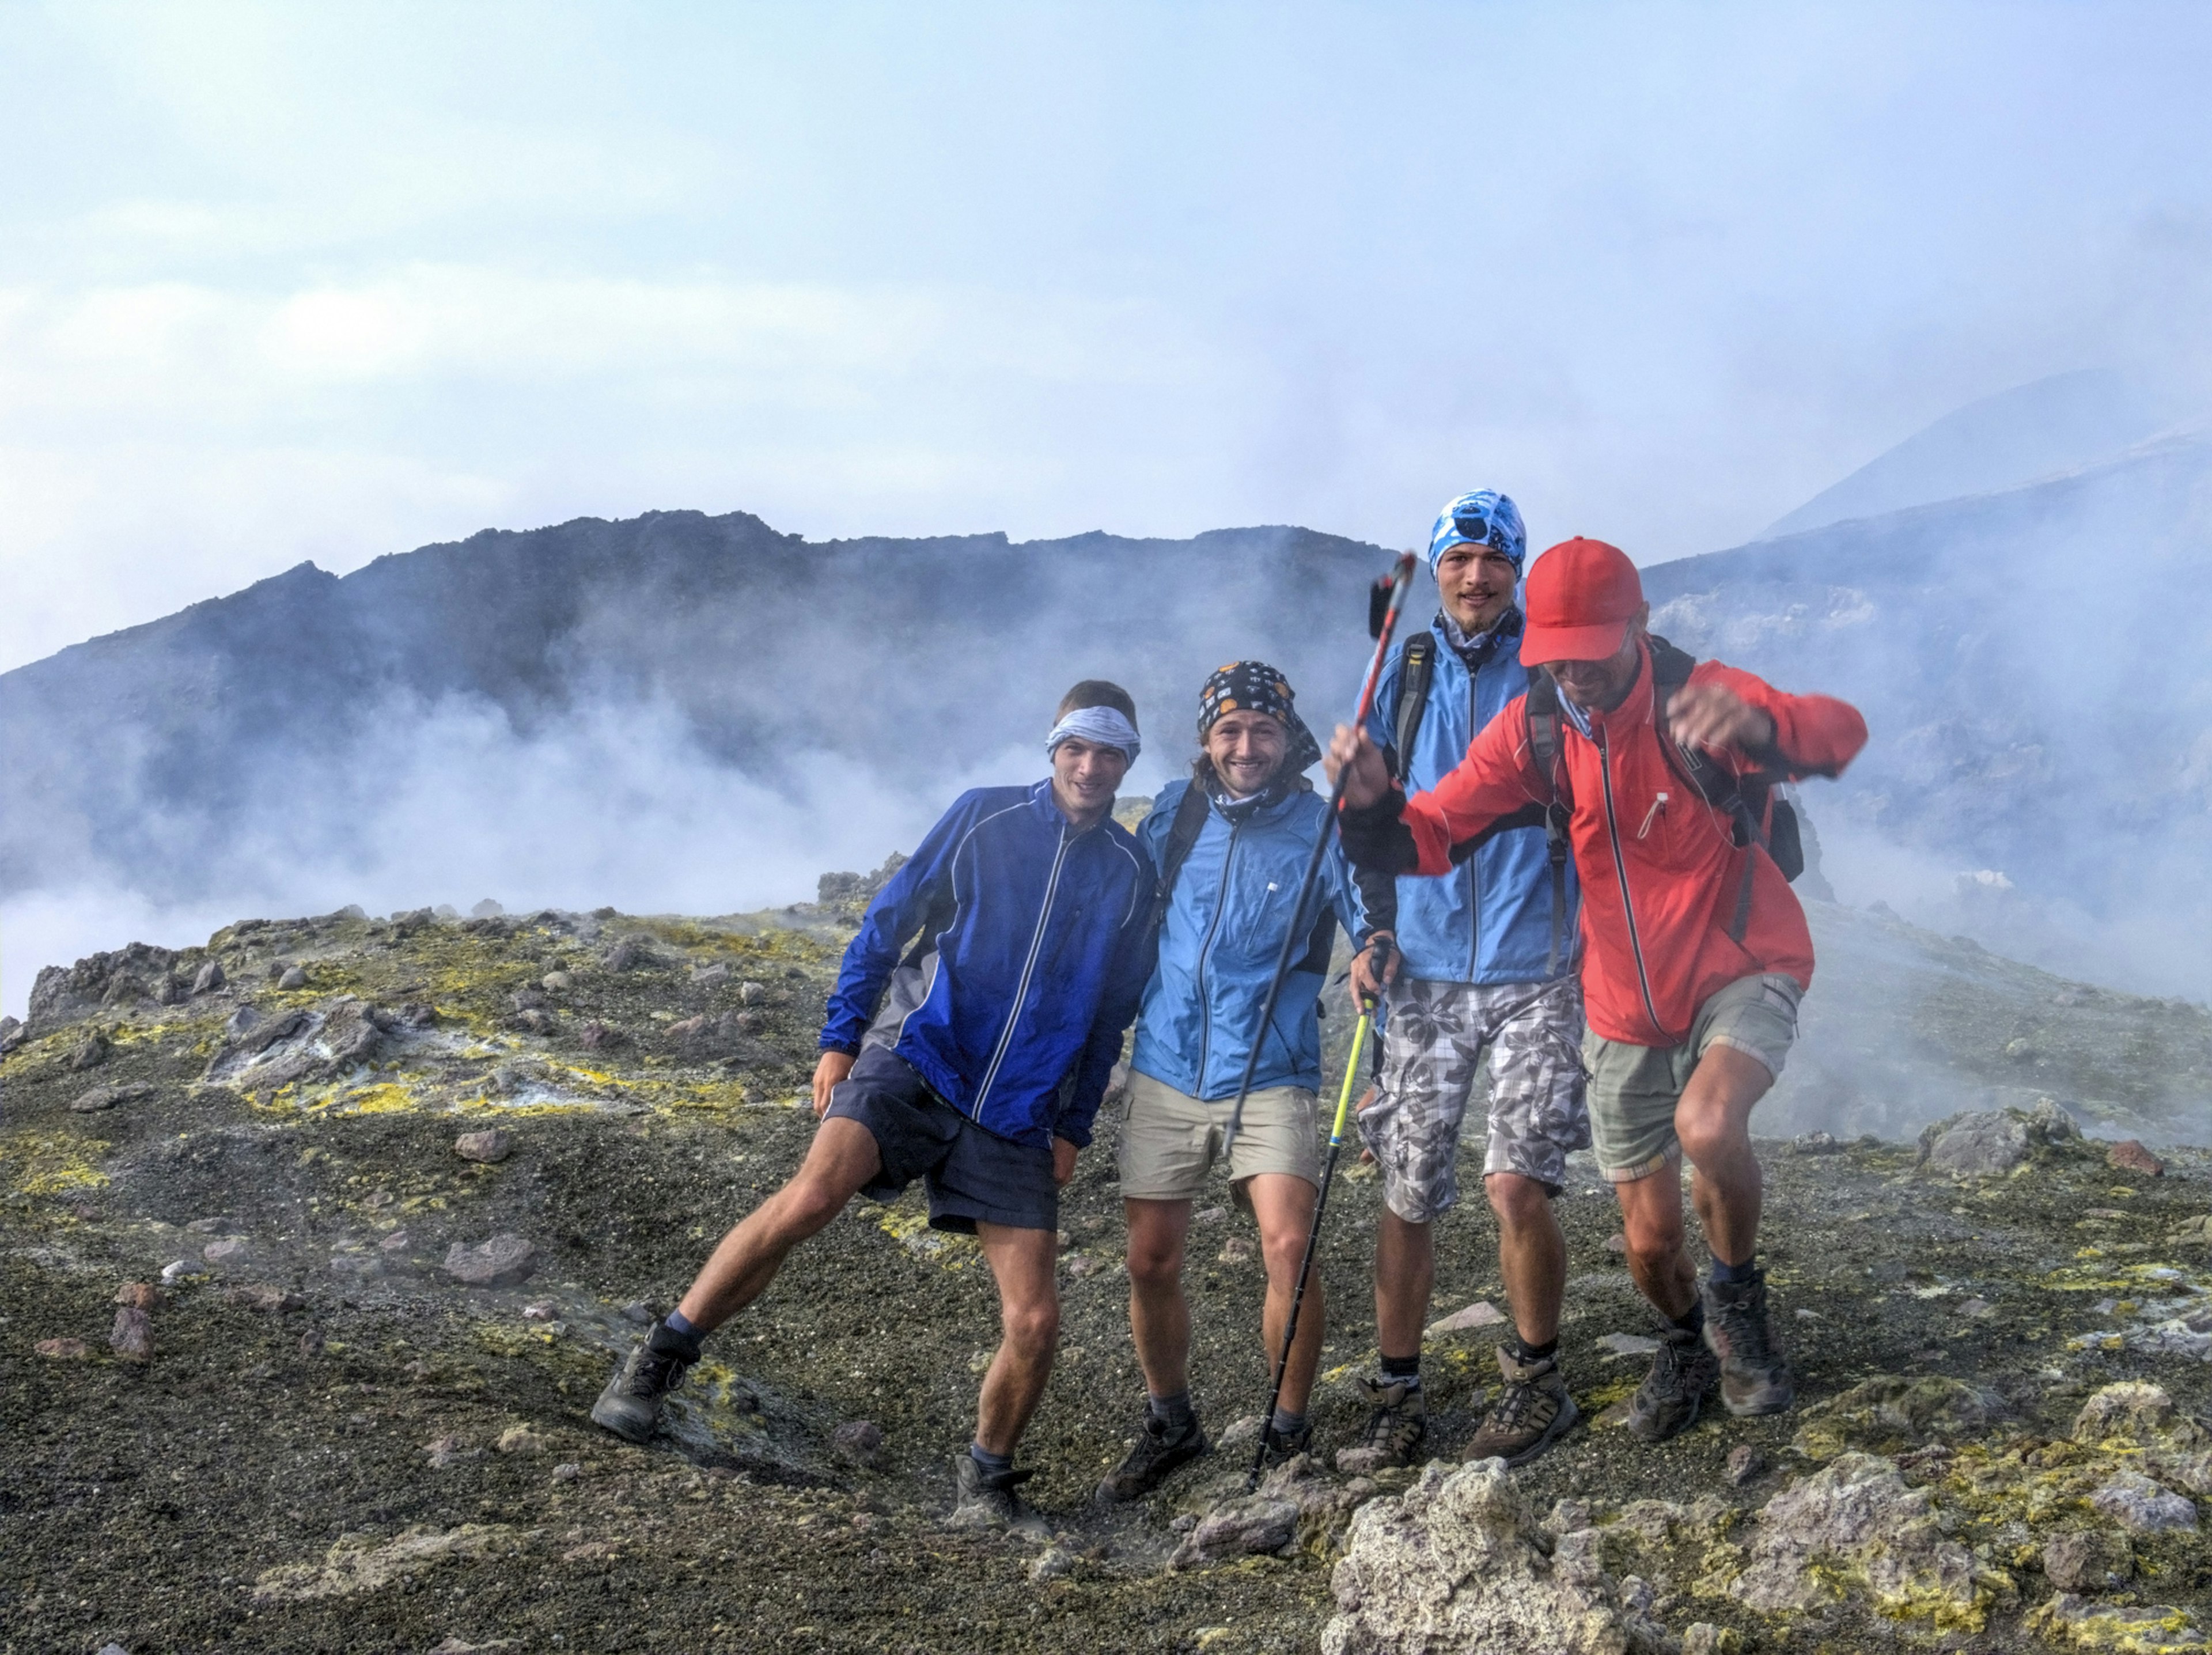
(971, 1174)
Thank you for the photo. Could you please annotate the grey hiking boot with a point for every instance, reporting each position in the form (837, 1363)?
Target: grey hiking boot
(1754, 1376)
(1534, 1412)
(1160, 1451)
(630, 1405)
(986, 1500)
(1396, 1430)
(1282, 1450)
(1682, 1370)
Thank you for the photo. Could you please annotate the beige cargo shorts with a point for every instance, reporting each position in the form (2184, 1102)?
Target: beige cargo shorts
(1171, 1140)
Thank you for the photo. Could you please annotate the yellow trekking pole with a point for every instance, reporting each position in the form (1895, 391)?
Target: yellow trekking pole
(1312, 1239)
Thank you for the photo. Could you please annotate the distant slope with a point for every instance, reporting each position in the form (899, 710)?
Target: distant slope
(2031, 431)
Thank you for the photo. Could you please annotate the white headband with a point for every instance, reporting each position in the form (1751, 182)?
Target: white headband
(1101, 725)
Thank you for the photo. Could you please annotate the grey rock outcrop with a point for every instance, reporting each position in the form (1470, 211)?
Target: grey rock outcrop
(1854, 1526)
(2088, 1560)
(500, 1262)
(1456, 1566)
(1988, 1143)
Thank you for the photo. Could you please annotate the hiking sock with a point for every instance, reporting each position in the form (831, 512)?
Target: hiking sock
(1735, 1276)
(1692, 1322)
(680, 1323)
(1525, 1353)
(991, 1465)
(1406, 1368)
(1287, 1425)
(1174, 1412)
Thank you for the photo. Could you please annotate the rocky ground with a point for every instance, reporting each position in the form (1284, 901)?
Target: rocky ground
(316, 1243)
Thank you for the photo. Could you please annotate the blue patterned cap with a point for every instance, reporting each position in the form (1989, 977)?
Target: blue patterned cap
(1484, 518)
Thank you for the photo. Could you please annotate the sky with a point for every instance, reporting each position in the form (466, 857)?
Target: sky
(281, 282)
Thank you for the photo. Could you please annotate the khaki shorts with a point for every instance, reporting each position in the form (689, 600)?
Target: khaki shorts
(1171, 1140)
(1633, 1090)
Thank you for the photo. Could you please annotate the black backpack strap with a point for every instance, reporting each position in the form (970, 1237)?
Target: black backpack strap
(1540, 708)
(1183, 833)
(1417, 671)
(1744, 797)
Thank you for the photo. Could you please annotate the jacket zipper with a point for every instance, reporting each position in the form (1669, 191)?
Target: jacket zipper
(1474, 861)
(1205, 947)
(1022, 993)
(1620, 870)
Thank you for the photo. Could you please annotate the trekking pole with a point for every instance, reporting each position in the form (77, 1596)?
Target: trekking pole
(1313, 1241)
(1400, 580)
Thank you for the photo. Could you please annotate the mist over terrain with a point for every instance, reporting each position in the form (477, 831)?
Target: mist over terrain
(685, 713)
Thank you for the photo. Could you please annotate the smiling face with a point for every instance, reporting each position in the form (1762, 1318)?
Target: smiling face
(1602, 685)
(1246, 750)
(1085, 776)
(1476, 583)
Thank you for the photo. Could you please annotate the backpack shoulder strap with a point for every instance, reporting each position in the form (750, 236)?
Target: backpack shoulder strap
(1743, 797)
(1417, 670)
(1183, 833)
(1540, 707)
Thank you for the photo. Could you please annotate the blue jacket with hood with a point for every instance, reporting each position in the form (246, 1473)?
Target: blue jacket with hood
(1027, 961)
(1489, 919)
(1221, 937)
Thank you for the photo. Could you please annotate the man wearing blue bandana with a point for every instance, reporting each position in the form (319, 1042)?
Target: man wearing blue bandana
(1231, 845)
(969, 1041)
(1484, 965)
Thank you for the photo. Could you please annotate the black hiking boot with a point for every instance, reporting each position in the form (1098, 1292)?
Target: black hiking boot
(1534, 1412)
(1682, 1370)
(986, 1500)
(630, 1405)
(1161, 1451)
(1396, 1430)
(1754, 1376)
(1282, 1450)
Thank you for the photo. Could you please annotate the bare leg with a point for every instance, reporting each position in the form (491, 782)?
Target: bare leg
(1404, 1273)
(1021, 1263)
(1652, 1218)
(842, 1159)
(1532, 1253)
(1283, 1204)
(1159, 1315)
(1713, 1121)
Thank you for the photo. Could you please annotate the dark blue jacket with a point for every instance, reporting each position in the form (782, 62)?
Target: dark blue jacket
(1220, 939)
(1489, 919)
(1030, 959)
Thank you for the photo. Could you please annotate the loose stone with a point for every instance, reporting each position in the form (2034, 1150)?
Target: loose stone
(132, 1336)
(500, 1262)
(489, 1145)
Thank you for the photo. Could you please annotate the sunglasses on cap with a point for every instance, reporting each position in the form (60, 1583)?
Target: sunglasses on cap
(1472, 523)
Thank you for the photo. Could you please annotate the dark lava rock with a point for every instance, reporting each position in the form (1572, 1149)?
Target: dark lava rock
(295, 976)
(1745, 1464)
(2088, 1559)
(600, 1036)
(11, 1034)
(209, 978)
(88, 1053)
(100, 1097)
(501, 1262)
(627, 954)
(491, 1145)
(138, 1295)
(132, 1336)
(858, 1439)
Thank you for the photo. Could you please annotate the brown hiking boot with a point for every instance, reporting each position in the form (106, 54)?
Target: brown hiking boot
(1682, 1370)
(1534, 1412)
(1396, 1430)
(1755, 1378)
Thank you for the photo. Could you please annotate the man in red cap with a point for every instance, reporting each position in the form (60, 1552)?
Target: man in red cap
(1696, 952)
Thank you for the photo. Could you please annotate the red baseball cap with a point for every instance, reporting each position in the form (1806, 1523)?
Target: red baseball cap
(1581, 596)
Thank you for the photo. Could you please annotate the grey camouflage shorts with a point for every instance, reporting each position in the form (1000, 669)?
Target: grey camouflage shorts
(1431, 1059)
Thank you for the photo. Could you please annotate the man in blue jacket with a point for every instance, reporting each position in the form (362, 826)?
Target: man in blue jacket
(1485, 962)
(975, 1062)
(1231, 845)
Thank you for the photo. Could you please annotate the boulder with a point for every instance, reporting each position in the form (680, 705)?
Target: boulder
(101, 1098)
(2142, 1506)
(490, 1145)
(1458, 1565)
(1854, 1528)
(89, 1053)
(2088, 1560)
(2068, 1620)
(1892, 1412)
(131, 1338)
(500, 1262)
(1989, 1143)
(209, 979)
(2130, 1156)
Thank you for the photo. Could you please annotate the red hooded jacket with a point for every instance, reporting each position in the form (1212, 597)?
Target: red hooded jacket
(1660, 871)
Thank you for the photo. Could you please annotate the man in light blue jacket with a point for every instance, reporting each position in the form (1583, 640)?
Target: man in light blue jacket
(968, 1044)
(1484, 967)
(1231, 846)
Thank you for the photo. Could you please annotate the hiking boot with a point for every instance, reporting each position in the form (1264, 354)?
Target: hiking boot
(986, 1500)
(630, 1405)
(1754, 1376)
(1396, 1430)
(1682, 1370)
(1161, 1451)
(1282, 1450)
(1534, 1412)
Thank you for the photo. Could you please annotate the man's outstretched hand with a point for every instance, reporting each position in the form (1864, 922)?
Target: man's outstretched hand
(1355, 767)
(834, 1067)
(1715, 718)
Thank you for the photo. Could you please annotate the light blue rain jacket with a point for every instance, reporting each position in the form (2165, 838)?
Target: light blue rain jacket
(1220, 939)
(1489, 919)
